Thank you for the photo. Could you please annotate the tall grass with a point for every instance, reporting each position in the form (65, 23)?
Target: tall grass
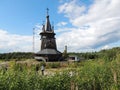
(88, 75)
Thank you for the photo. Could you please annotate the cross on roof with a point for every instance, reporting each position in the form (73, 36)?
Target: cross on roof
(47, 11)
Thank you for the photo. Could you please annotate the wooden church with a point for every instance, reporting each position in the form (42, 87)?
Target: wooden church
(48, 43)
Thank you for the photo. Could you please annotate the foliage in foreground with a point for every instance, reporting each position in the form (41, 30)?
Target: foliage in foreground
(90, 75)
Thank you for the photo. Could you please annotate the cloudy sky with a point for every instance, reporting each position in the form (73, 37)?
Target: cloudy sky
(82, 25)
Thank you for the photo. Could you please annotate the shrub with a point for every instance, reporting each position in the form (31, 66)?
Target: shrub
(53, 65)
(91, 75)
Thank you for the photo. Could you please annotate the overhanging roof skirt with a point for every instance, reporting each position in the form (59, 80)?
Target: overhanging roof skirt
(48, 51)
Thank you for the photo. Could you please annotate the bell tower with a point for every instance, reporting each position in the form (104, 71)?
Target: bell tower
(48, 42)
(47, 35)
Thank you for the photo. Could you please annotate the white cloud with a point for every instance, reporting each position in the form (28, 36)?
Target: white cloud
(13, 42)
(96, 27)
(106, 47)
(60, 24)
(71, 9)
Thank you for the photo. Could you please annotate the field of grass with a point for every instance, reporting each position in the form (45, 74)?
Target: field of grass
(97, 74)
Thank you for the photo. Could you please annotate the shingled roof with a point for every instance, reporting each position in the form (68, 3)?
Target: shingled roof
(48, 51)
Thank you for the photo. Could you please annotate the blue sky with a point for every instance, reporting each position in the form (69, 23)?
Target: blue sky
(82, 25)
(20, 16)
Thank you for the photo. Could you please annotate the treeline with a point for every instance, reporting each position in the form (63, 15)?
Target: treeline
(16, 55)
(108, 54)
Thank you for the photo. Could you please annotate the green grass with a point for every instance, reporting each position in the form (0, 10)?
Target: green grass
(97, 74)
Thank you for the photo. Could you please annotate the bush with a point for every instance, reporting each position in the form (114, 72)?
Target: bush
(53, 65)
(92, 75)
